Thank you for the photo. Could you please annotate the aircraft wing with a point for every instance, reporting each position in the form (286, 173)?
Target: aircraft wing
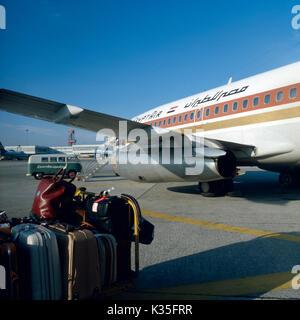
(228, 145)
(61, 113)
(243, 152)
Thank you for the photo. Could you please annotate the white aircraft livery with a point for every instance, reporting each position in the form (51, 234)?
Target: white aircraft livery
(251, 122)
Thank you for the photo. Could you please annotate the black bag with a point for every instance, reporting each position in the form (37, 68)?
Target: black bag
(146, 233)
(109, 214)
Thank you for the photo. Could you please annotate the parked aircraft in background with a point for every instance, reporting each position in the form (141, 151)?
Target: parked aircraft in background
(250, 122)
(10, 154)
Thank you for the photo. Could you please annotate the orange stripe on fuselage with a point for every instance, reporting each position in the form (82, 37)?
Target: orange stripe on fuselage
(242, 120)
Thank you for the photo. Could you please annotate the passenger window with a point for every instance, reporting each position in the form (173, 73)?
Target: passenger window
(44, 159)
(235, 106)
(245, 104)
(199, 114)
(255, 102)
(217, 109)
(155, 124)
(192, 116)
(267, 99)
(53, 159)
(164, 122)
(169, 121)
(179, 118)
(293, 93)
(159, 123)
(279, 96)
(207, 112)
(174, 120)
(61, 159)
(225, 108)
(185, 117)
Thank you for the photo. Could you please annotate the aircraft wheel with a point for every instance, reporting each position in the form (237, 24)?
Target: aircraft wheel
(212, 188)
(216, 188)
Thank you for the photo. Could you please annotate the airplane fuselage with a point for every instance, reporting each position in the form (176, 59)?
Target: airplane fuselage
(262, 111)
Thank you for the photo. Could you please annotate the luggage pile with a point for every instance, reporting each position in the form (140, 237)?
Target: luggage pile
(76, 245)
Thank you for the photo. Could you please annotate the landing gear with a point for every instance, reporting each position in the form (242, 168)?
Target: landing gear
(216, 188)
(289, 179)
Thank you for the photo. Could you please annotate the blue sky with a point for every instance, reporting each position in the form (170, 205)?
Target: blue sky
(123, 57)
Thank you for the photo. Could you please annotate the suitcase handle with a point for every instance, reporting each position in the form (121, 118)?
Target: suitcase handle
(137, 216)
(136, 204)
(64, 227)
(61, 171)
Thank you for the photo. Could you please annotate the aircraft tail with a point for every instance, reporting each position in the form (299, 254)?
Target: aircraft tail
(2, 150)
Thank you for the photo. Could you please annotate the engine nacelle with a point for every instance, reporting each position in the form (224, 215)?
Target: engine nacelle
(202, 169)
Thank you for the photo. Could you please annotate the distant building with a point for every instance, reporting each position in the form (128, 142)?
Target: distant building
(85, 151)
(30, 149)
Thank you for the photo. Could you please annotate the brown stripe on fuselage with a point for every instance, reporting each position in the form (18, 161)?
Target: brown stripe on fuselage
(276, 115)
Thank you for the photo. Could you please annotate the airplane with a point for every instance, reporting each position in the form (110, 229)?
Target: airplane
(250, 122)
(10, 154)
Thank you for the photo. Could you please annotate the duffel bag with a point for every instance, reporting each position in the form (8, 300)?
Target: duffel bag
(54, 197)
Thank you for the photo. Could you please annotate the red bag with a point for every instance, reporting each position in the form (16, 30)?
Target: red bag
(53, 197)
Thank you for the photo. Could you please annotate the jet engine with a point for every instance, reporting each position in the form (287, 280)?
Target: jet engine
(149, 166)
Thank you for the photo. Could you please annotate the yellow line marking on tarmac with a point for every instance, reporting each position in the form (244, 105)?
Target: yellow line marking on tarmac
(224, 227)
(240, 287)
(247, 286)
(235, 287)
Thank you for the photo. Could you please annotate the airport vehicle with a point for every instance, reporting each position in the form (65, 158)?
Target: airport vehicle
(250, 122)
(48, 164)
(10, 154)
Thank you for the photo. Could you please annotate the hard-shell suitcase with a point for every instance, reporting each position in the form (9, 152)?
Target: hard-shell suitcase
(9, 277)
(39, 264)
(102, 256)
(79, 258)
(107, 246)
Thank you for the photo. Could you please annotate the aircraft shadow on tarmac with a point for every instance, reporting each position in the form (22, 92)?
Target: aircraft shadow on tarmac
(108, 178)
(184, 278)
(257, 186)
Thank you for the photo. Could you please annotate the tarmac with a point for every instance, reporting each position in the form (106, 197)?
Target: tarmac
(240, 247)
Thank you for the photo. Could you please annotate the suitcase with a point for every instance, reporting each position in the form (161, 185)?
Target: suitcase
(110, 214)
(102, 256)
(107, 246)
(124, 271)
(79, 258)
(9, 277)
(39, 264)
